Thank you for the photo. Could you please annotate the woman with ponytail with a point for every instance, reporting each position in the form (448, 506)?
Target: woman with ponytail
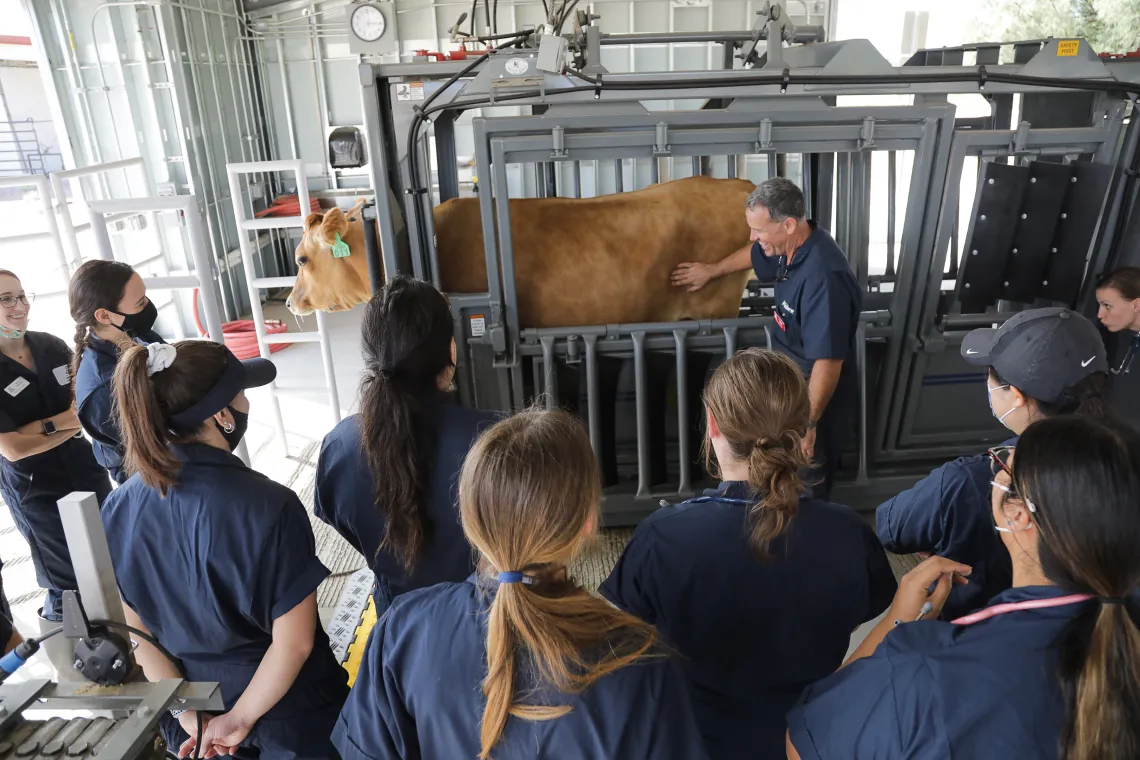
(1050, 668)
(758, 585)
(386, 476)
(216, 561)
(519, 662)
(110, 308)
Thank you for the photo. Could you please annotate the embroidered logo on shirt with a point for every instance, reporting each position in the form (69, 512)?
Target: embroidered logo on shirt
(787, 308)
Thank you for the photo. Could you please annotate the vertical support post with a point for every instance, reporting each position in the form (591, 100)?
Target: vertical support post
(684, 456)
(548, 373)
(592, 391)
(90, 556)
(861, 368)
(327, 361)
(378, 174)
(641, 392)
(577, 179)
(729, 342)
(619, 176)
(892, 195)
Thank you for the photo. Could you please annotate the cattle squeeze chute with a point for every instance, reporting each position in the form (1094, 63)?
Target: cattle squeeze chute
(580, 314)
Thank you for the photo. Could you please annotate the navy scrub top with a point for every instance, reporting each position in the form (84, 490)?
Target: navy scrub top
(752, 634)
(938, 690)
(818, 303)
(419, 694)
(949, 513)
(344, 500)
(93, 399)
(211, 566)
(31, 486)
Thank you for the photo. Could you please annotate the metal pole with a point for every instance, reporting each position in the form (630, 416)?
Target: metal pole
(327, 360)
(90, 556)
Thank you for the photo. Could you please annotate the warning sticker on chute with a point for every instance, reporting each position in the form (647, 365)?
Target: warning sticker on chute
(478, 326)
(1068, 47)
(409, 91)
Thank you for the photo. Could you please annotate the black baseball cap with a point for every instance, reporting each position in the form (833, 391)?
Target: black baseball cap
(1042, 352)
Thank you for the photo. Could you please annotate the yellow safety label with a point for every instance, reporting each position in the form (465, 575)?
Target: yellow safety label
(1068, 47)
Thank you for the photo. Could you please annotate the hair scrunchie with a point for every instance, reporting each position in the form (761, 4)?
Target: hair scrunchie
(159, 356)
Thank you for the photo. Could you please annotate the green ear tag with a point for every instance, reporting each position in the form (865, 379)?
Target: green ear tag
(341, 249)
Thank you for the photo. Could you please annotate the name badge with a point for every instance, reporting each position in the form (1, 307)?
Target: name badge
(779, 321)
(62, 376)
(16, 386)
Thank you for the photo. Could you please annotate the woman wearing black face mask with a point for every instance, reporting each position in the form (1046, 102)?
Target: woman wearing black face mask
(217, 560)
(110, 307)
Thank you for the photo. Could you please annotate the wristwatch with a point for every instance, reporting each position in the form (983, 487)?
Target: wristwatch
(49, 427)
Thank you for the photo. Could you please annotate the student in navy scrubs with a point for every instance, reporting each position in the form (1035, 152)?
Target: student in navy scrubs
(386, 477)
(110, 307)
(1041, 363)
(45, 456)
(519, 662)
(817, 308)
(1118, 309)
(217, 561)
(758, 585)
(1048, 669)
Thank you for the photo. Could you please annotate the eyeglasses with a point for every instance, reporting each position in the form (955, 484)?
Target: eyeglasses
(9, 301)
(999, 460)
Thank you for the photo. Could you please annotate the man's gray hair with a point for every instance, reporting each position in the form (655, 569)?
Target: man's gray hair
(780, 197)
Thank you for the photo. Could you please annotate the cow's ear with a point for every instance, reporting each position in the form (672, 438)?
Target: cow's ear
(335, 223)
(312, 220)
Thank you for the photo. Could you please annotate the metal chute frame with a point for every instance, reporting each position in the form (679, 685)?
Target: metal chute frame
(783, 113)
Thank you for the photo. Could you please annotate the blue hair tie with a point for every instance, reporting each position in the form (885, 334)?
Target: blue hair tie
(513, 576)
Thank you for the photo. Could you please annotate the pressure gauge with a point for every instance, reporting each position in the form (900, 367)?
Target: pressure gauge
(368, 23)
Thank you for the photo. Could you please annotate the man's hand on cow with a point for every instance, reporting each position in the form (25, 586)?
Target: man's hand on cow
(691, 275)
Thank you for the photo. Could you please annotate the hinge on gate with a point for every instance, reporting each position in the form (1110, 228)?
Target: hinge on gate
(765, 141)
(558, 136)
(1017, 144)
(867, 133)
(661, 143)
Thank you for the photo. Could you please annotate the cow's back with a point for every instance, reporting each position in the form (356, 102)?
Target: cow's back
(606, 260)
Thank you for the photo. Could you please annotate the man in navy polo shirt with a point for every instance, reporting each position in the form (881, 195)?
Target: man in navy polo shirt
(816, 311)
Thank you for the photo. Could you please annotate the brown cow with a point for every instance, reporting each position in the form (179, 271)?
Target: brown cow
(586, 261)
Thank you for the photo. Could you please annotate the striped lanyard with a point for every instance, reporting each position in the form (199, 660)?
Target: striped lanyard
(1032, 604)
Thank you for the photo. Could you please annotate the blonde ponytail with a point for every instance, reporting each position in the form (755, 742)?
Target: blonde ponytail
(529, 494)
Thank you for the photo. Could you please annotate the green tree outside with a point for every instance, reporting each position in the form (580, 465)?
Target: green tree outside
(1110, 26)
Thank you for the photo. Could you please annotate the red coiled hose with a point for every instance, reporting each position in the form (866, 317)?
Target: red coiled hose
(241, 335)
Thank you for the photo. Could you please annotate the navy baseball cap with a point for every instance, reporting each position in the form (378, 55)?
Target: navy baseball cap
(238, 376)
(1042, 352)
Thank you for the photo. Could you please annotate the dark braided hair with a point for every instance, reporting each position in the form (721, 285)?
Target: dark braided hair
(95, 285)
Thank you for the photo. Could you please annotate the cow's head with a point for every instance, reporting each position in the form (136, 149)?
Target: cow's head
(325, 282)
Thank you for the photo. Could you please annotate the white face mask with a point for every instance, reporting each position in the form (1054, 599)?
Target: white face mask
(1029, 505)
(989, 395)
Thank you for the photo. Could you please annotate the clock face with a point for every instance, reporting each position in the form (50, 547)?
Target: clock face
(516, 66)
(368, 23)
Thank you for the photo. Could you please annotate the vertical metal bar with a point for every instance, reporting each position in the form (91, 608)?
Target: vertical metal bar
(861, 369)
(772, 164)
(641, 390)
(732, 166)
(102, 237)
(378, 173)
(327, 361)
(506, 249)
(90, 556)
(619, 176)
(729, 342)
(322, 98)
(548, 373)
(196, 235)
(287, 98)
(592, 391)
(654, 171)
(696, 166)
(892, 182)
(539, 181)
(577, 169)
(487, 192)
(684, 454)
